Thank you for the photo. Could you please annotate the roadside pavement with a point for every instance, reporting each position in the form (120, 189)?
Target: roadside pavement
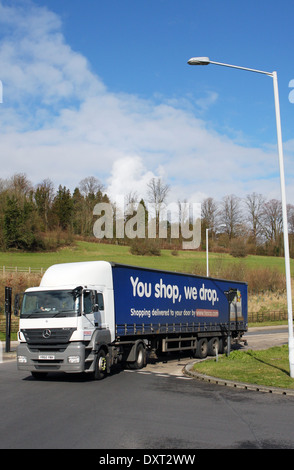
(8, 356)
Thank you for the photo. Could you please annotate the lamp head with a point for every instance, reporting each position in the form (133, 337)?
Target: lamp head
(199, 61)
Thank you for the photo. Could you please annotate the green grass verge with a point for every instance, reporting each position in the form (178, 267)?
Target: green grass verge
(269, 367)
(12, 338)
(89, 251)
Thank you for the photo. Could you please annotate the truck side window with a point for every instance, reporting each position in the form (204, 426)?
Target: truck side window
(100, 301)
(88, 306)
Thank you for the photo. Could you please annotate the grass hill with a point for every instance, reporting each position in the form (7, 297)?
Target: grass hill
(183, 261)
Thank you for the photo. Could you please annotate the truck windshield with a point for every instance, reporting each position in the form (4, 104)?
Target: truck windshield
(55, 303)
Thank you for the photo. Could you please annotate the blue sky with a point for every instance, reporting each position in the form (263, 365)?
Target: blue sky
(103, 88)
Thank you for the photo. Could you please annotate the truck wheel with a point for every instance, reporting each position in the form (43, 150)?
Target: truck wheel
(202, 348)
(100, 365)
(213, 346)
(140, 358)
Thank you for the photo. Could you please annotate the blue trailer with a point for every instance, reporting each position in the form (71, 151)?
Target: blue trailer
(180, 311)
(96, 314)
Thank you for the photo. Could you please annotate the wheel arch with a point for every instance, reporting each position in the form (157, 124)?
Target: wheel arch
(133, 351)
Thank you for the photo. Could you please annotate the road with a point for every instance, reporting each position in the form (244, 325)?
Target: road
(155, 408)
(266, 337)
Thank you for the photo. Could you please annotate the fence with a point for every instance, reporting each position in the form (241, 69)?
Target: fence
(16, 269)
(14, 324)
(259, 317)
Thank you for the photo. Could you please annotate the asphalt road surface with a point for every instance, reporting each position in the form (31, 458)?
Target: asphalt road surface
(157, 409)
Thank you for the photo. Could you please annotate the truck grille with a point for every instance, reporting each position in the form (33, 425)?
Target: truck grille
(48, 336)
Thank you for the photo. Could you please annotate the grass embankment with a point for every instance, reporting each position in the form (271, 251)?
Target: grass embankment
(269, 367)
(184, 261)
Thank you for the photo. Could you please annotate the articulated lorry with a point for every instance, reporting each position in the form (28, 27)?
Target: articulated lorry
(88, 316)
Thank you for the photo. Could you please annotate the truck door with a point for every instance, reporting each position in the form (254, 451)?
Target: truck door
(89, 302)
(100, 318)
(93, 310)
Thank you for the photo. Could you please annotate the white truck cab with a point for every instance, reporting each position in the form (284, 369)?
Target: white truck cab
(64, 319)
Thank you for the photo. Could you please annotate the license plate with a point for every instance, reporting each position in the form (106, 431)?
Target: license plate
(46, 357)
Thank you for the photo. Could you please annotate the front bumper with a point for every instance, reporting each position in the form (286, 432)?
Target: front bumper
(70, 360)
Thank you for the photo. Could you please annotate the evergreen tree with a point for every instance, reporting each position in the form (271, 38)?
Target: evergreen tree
(63, 207)
(78, 210)
(19, 228)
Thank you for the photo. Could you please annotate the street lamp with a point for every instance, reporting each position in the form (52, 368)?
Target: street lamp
(207, 61)
(230, 295)
(207, 265)
(207, 261)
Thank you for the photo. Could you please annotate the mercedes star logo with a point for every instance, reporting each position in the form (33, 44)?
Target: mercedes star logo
(46, 334)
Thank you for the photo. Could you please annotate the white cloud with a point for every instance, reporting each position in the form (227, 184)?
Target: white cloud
(207, 101)
(38, 68)
(59, 121)
(128, 175)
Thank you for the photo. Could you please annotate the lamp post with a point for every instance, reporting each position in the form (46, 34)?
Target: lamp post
(207, 264)
(207, 261)
(230, 295)
(207, 61)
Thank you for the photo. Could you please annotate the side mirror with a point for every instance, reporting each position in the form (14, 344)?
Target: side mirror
(16, 305)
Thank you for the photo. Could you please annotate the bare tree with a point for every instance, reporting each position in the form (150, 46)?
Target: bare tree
(272, 219)
(157, 193)
(131, 201)
(44, 195)
(209, 212)
(90, 186)
(91, 190)
(290, 212)
(20, 185)
(130, 204)
(231, 215)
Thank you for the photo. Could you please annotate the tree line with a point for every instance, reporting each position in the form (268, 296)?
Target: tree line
(247, 225)
(39, 217)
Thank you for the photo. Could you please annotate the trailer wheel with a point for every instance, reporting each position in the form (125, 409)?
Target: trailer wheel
(202, 348)
(140, 358)
(213, 346)
(100, 365)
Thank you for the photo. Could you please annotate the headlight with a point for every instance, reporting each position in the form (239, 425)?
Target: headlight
(22, 359)
(73, 359)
